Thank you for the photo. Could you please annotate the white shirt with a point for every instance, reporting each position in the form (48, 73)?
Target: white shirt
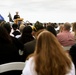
(29, 68)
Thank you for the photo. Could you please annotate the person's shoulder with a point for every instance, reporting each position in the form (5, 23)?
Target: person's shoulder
(73, 49)
(29, 61)
(59, 34)
(73, 46)
(72, 70)
(30, 46)
(29, 67)
(31, 42)
(31, 58)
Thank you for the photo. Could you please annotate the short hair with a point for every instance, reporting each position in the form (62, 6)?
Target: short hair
(16, 11)
(38, 25)
(67, 26)
(51, 29)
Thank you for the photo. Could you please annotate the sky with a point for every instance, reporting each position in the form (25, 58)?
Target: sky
(40, 10)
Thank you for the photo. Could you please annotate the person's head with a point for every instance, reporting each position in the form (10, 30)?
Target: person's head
(61, 28)
(7, 26)
(38, 25)
(4, 36)
(67, 26)
(17, 13)
(15, 26)
(21, 27)
(27, 30)
(50, 58)
(26, 34)
(51, 29)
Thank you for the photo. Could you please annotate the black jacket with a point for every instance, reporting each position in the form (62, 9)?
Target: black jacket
(29, 48)
(72, 53)
(9, 52)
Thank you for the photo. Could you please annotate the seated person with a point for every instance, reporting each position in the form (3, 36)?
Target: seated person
(49, 58)
(15, 30)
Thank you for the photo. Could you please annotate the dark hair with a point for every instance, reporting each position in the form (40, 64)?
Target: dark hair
(4, 36)
(38, 25)
(14, 26)
(26, 34)
(27, 29)
(7, 26)
(51, 29)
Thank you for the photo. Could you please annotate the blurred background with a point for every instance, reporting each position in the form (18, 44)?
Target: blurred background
(41, 10)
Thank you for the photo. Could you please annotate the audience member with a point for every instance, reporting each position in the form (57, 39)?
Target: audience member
(38, 25)
(26, 35)
(7, 26)
(8, 50)
(49, 58)
(29, 47)
(51, 29)
(66, 38)
(15, 30)
(16, 42)
(21, 28)
(61, 28)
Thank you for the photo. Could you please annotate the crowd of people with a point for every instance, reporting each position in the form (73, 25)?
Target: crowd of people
(44, 50)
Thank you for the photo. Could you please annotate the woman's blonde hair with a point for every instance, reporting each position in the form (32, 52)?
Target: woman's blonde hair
(61, 28)
(50, 58)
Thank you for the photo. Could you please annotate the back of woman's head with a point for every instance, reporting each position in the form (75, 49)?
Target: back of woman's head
(27, 29)
(51, 29)
(50, 58)
(4, 36)
(7, 26)
(27, 34)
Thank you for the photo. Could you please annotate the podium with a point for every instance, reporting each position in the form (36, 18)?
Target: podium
(18, 20)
